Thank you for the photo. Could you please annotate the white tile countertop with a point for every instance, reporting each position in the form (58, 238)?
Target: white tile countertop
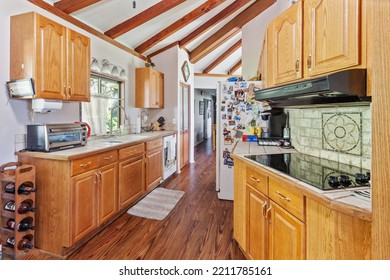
(337, 199)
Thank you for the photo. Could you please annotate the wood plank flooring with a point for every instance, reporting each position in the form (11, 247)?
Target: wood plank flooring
(200, 227)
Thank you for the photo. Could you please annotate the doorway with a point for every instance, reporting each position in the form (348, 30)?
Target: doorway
(184, 99)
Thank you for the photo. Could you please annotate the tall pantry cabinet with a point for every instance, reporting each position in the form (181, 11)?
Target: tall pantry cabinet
(54, 56)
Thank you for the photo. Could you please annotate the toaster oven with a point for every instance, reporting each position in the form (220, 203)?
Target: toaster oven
(54, 137)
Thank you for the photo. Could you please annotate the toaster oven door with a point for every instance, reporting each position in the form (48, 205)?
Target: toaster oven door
(61, 139)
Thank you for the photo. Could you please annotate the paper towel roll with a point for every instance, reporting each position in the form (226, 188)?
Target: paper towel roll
(138, 125)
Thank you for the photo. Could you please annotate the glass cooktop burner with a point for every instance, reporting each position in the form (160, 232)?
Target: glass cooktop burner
(320, 173)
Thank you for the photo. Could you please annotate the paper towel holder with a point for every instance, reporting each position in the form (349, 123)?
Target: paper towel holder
(45, 106)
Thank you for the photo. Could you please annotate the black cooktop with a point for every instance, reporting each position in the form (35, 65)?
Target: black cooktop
(321, 173)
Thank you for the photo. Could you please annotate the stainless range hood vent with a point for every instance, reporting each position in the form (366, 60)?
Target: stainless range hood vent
(341, 87)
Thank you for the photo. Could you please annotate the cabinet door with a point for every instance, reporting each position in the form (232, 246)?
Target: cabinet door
(332, 35)
(285, 50)
(286, 235)
(257, 225)
(78, 67)
(131, 180)
(50, 71)
(108, 194)
(153, 168)
(83, 204)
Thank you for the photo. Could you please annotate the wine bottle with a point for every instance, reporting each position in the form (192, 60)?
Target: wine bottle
(11, 241)
(26, 224)
(9, 188)
(26, 206)
(25, 189)
(23, 207)
(11, 223)
(25, 243)
(10, 206)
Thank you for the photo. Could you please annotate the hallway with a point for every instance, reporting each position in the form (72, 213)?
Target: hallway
(200, 227)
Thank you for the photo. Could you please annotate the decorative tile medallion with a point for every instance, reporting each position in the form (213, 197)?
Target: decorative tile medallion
(342, 132)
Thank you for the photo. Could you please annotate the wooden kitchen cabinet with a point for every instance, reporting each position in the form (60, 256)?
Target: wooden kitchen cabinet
(149, 92)
(284, 50)
(93, 194)
(131, 174)
(154, 161)
(332, 35)
(56, 57)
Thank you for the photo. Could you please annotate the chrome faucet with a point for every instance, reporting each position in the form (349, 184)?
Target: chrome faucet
(112, 110)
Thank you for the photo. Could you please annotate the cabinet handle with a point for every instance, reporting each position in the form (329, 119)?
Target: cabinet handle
(254, 179)
(297, 66)
(309, 62)
(65, 91)
(70, 91)
(264, 207)
(268, 215)
(100, 177)
(107, 158)
(96, 179)
(283, 197)
(85, 164)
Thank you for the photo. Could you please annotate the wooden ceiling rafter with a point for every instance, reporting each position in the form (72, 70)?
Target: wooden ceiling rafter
(71, 6)
(179, 24)
(229, 30)
(235, 6)
(224, 56)
(44, 5)
(235, 67)
(144, 16)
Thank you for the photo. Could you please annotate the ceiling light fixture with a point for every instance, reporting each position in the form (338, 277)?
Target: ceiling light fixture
(95, 65)
(106, 67)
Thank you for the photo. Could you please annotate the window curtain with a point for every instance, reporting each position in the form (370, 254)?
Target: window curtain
(95, 114)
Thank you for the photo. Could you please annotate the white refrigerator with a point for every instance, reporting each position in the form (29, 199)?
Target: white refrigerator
(237, 116)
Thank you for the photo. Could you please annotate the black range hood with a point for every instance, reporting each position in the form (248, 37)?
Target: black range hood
(341, 87)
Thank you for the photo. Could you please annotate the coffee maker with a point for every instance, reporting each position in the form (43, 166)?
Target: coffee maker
(274, 134)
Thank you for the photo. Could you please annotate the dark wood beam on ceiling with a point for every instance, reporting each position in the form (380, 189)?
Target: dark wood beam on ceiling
(236, 5)
(71, 6)
(222, 57)
(144, 16)
(44, 5)
(229, 29)
(235, 67)
(179, 24)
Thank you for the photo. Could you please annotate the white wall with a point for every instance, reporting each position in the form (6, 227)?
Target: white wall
(253, 36)
(17, 113)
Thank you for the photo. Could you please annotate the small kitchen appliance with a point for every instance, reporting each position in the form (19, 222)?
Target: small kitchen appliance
(54, 137)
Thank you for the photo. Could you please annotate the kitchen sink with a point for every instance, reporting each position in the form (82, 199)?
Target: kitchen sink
(115, 140)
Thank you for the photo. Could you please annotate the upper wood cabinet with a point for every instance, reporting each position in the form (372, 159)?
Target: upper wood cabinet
(284, 56)
(149, 92)
(57, 58)
(315, 37)
(332, 35)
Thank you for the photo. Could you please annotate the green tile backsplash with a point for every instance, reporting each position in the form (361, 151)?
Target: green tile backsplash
(340, 134)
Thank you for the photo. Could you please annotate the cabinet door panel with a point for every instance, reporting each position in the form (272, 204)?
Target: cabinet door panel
(108, 195)
(153, 168)
(83, 205)
(286, 235)
(285, 35)
(257, 225)
(131, 180)
(332, 35)
(78, 67)
(51, 59)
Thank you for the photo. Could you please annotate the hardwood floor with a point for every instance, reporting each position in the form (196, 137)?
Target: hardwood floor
(200, 227)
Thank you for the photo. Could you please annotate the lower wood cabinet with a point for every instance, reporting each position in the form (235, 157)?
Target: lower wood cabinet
(154, 159)
(131, 179)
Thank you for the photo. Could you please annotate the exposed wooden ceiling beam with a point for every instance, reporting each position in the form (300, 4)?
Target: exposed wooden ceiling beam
(229, 30)
(71, 6)
(146, 15)
(176, 26)
(44, 5)
(222, 57)
(235, 67)
(236, 5)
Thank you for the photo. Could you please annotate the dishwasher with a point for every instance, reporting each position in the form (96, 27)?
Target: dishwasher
(169, 156)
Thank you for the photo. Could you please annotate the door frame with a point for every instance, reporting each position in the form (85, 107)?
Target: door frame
(182, 87)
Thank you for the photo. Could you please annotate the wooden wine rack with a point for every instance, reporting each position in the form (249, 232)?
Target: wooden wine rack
(17, 174)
